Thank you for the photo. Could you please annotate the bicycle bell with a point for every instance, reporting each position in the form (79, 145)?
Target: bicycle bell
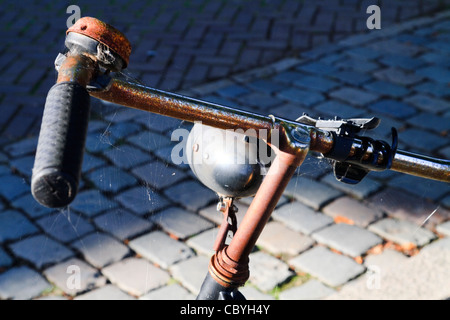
(226, 161)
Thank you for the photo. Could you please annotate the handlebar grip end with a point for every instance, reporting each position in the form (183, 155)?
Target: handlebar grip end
(60, 150)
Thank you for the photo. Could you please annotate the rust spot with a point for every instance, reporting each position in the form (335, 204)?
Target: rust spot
(105, 34)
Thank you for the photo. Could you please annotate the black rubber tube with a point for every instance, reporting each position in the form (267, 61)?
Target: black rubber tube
(60, 150)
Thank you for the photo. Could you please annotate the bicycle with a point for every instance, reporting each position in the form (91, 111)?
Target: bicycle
(95, 51)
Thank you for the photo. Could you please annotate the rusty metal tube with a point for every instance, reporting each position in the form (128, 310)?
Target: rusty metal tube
(421, 166)
(177, 106)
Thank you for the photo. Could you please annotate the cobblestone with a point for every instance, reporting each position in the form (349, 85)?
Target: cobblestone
(11, 186)
(266, 272)
(161, 249)
(172, 291)
(135, 276)
(301, 218)
(22, 283)
(181, 223)
(348, 210)
(142, 200)
(108, 292)
(349, 239)
(191, 272)
(280, 240)
(354, 96)
(311, 192)
(40, 250)
(331, 268)
(13, 226)
(402, 232)
(361, 190)
(311, 290)
(122, 224)
(157, 175)
(444, 228)
(100, 249)
(405, 206)
(191, 194)
(65, 226)
(63, 274)
(5, 259)
(92, 202)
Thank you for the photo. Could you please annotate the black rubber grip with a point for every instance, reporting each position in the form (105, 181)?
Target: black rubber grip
(60, 150)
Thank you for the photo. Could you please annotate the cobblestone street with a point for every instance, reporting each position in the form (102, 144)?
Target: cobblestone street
(142, 227)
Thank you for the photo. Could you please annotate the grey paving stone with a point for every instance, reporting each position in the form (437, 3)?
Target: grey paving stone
(311, 290)
(351, 211)
(265, 85)
(422, 140)
(158, 175)
(91, 162)
(444, 228)
(181, 223)
(13, 225)
(435, 73)
(149, 141)
(427, 103)
(316, 68)
(142, 200)
(401, 61)
(279, 240)
(203, 243)
(122, 224)
(354, 96)
(393, 108)
(127, 156)
(349, 239)
(351, 77)
(232, 91)
(4, 170)
(100, 249)
(65, 226)
(12, 186)
(332, 108)
(40, 250)
(136, 276)
(306, 98)
(311, 192)
(210, 212)
(98, 142)
(331, 268)
(23, 165)
(108, 292)
(5, 259)
(161, 249)
(438, 90)
(441, 244)
(405, 233)
(398, 76)
(22, 283)
(387, 89)
(191, 195)
(111, 179)
(74, 276)
(301, 218)
(191, 273)
(424, 188)
(429, 121)
(361, 190)
(251, 293)
(169, 292)
(266, 271)
(316, 83)
(406, 206)
(92, 202)
(22, 148)
(387, 259)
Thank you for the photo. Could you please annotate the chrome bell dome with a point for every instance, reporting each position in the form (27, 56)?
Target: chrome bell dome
(225, 161)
